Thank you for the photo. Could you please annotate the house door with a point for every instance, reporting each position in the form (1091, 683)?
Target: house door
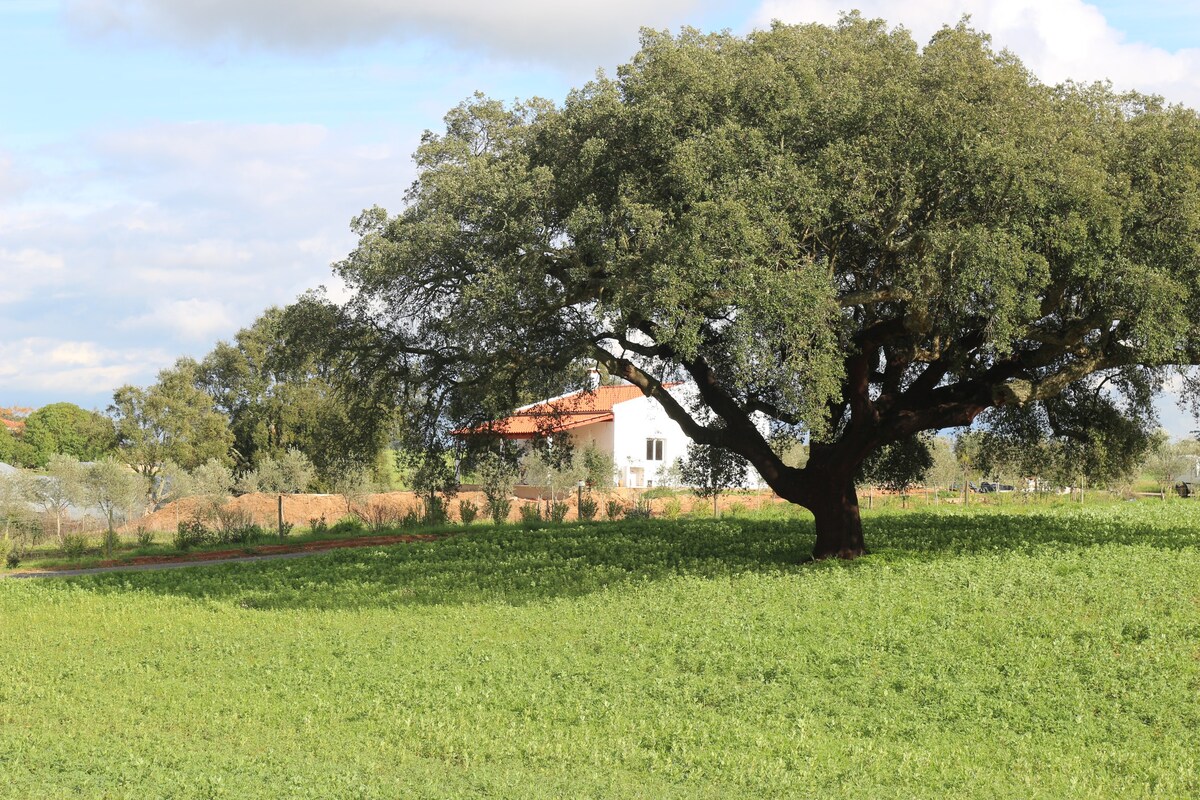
(637, 477)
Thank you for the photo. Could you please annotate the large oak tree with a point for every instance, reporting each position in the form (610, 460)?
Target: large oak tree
(857, 237)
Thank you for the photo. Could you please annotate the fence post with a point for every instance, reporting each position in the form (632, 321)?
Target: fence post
(281, 517)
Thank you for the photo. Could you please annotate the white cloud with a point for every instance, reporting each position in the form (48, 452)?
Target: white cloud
(163, 238)
(193, 319)
(528, 30)
(39, 364)
(27, 271)
(13, 182)
(1057, 39)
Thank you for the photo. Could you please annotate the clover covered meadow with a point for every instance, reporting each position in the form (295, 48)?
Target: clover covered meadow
(1047, 654)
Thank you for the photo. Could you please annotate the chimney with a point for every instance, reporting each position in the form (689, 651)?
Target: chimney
(593, 379)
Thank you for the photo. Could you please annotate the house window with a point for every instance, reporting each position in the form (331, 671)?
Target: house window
(654, 449)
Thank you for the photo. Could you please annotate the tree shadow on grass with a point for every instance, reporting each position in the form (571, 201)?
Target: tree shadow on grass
(516, 567)
(486, 566)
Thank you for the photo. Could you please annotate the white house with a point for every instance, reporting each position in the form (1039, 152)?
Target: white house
(617, 419)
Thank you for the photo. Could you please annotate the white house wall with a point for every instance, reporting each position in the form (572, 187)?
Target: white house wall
(599, 435)
(642, 418)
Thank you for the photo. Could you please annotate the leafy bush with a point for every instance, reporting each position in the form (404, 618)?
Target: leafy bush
(435, 510)
(498, 509)
(640, 510)
(235, 525)
(74, 545)
(12, 559)
(192, 533)
(254, 532)
(557, 512)
(347, 525)
(145, 536)
(496, 478)
(672, 508)
(467, 511)
(657, 492)
(587, 509)
(411, 519)
(531, 514)
(285, 529)
(737, 509)
(614, 509)
(318, 525)
(110, 542)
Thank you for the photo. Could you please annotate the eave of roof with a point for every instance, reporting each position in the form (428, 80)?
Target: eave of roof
(568, 412)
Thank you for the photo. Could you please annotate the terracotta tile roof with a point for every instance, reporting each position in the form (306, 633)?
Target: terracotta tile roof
(14, 425)
(564, 413)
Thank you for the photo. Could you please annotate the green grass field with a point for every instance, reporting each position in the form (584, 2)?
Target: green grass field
(1041, 654)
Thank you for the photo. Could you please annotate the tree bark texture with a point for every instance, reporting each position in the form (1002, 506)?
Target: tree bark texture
(839, 527)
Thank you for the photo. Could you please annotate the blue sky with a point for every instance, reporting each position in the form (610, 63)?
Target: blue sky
(169, 168)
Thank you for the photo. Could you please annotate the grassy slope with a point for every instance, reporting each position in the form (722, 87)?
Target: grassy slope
(1031, 655)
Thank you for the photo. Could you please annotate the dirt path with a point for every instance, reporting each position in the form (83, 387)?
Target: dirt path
(260, 553)
(67, 573)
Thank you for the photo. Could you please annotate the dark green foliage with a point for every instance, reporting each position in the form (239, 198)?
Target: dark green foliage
(499, 509)
(15, 451)
(272, 385)
(857, 236)
(1083, 433)
(192, 533)
(251, 532)
(613, 509)
(467, 511)
(435, 511)
(347, 526)
(110, 542)
(67, 429)
(639, 510)
(497, 475)
(531, 515)
(557, 511)
(74, 545)
(598, 467)
(900, 465)
(712, 471)
(588, 508)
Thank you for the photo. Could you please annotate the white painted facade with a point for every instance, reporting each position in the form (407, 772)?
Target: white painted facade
(644, 441)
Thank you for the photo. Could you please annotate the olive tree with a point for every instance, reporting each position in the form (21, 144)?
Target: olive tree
(853, 236)
(711, 471)
(113, 488)
(60, 488)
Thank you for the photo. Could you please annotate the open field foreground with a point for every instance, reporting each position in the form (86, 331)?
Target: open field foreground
(1043, 654)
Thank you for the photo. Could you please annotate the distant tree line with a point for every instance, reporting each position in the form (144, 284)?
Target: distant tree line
(262, 406)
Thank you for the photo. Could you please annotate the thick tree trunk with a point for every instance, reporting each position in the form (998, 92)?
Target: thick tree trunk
(839, 526)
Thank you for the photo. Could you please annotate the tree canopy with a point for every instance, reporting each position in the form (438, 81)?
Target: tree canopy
(67, 429)
(855, 236)
(172, 421)
(278, 397)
